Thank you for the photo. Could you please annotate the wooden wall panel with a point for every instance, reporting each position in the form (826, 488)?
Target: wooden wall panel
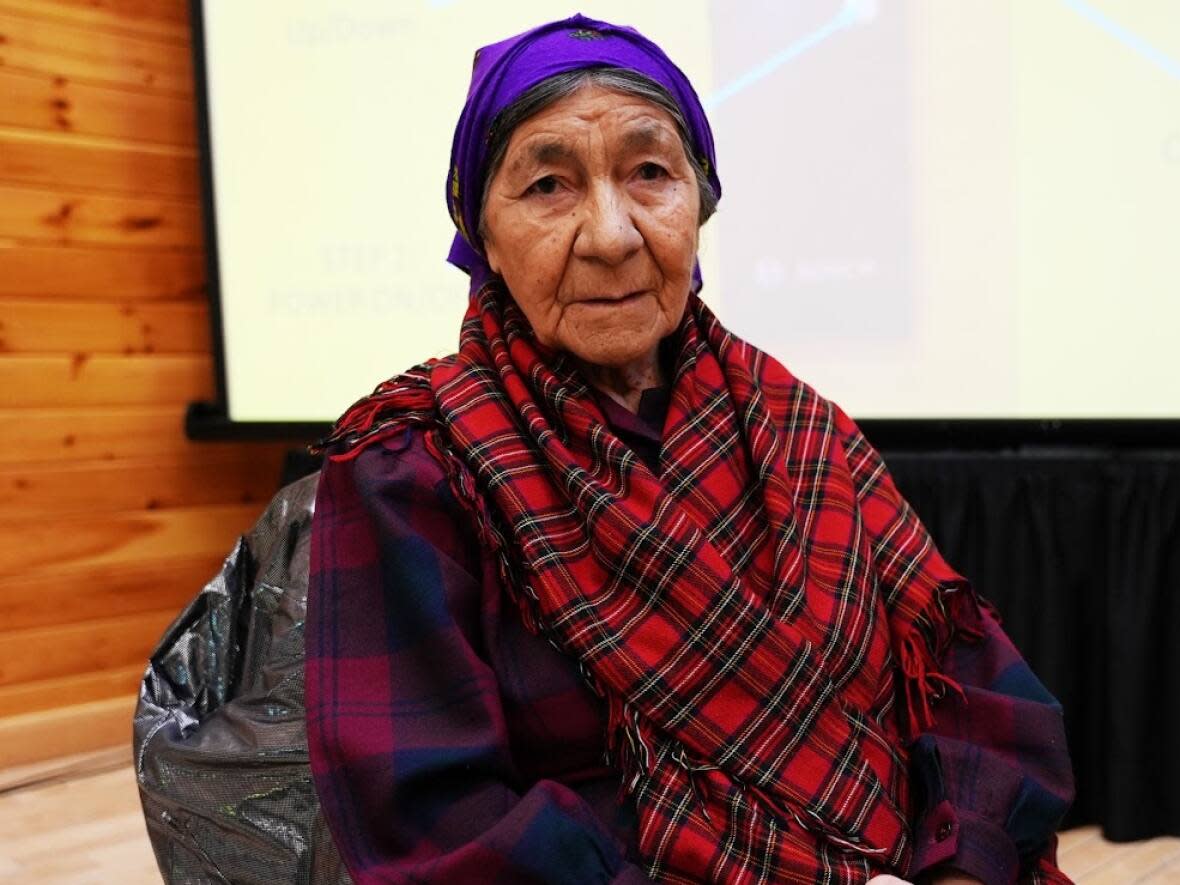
(38, 545)
(95, 164)
(87, 647)
(165, 21)
(198, 479)
(65, 730)
(104, 274)
(43, 326)
(38, 101)
(81, 379)
(90, 592)
(79, 688)
(64, 218)
(110, 519)
(85, 432)
(87, 56)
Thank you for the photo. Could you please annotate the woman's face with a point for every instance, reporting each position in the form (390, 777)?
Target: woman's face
(592, 221)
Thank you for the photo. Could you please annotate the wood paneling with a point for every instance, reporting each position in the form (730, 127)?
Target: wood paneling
(39, 546)
(87, 56)
(94, 164)
(81, 688)
(165, 21)
(21, 777)
(88, 592)
(107, 274)
(43, 326)
(111, 644)
(104, 380)
(37, 101)
(65, 218)
(84, 828)
(211, 477)
(75, 728)
(110, 519)
(67, 434)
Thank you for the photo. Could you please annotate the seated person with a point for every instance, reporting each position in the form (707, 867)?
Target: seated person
(610, 595)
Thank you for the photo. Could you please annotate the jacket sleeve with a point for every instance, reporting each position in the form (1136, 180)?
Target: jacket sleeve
(993, 771)
(407, 734)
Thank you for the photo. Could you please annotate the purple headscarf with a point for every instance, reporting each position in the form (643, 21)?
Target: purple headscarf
(504, 71)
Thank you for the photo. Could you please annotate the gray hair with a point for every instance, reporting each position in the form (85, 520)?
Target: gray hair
(558, 87)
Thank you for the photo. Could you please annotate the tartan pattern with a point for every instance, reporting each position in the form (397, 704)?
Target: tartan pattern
(405, 617)
(736, 611)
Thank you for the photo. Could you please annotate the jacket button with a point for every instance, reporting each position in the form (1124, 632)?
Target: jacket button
(944, 831)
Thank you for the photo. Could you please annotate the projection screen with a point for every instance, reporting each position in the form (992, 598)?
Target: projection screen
(932, 210)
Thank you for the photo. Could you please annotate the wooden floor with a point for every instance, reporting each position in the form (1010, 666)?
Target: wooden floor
(74, 820)
(79, 821)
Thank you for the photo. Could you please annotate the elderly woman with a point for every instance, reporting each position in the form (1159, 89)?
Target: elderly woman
(609, 595)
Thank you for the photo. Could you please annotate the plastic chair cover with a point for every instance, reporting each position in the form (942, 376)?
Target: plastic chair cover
(220, 743)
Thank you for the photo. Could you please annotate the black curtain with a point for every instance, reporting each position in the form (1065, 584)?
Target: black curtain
(1080, 552)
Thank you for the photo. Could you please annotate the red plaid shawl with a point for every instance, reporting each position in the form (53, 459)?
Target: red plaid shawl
(743, 613)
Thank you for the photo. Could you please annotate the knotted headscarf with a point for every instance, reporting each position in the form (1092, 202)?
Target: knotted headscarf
(504, 71)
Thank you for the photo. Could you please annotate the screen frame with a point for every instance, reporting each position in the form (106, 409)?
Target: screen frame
(211, 421)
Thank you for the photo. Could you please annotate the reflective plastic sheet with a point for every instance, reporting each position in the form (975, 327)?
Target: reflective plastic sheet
(220, 743)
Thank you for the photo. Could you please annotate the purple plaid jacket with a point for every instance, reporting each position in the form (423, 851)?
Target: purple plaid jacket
(449, 744)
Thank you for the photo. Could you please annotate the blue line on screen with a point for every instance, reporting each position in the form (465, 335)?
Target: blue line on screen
(1127, 38)
(845, 18)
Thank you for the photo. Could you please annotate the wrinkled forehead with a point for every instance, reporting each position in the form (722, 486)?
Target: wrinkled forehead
(592, 116)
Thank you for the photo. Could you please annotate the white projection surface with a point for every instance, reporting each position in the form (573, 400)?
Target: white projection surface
(931, 209)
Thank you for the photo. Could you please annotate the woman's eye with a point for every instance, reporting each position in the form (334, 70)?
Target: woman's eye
(652, 171)
(546, 185)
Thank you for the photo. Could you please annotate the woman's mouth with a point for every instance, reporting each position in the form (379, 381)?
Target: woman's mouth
(613, 300)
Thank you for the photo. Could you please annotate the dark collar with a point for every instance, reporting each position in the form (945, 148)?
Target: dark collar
(647, 423)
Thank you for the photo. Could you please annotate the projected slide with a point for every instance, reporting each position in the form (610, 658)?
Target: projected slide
(826, 171)
(931, 209)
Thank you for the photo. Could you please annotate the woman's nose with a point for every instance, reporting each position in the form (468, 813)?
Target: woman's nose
(607, 232)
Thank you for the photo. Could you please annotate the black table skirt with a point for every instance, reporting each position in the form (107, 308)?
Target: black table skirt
(1080, 552)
